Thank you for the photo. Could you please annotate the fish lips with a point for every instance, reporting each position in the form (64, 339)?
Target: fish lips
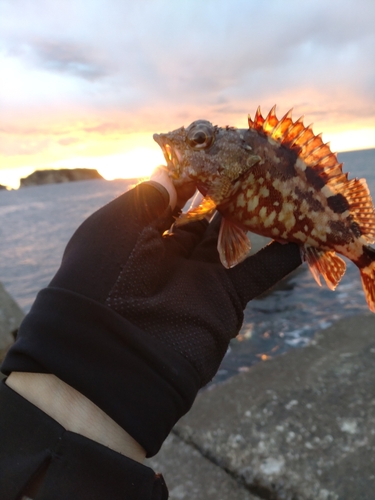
(171, 154)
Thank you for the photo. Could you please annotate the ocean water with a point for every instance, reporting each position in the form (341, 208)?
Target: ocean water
(37, 222)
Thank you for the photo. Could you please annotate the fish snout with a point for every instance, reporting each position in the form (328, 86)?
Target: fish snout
(170, 153)
(157, 138)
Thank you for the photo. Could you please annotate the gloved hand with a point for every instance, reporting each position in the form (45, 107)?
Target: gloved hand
(138, 322)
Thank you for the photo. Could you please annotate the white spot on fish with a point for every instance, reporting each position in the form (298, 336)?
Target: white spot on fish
(286, 216)
(300, 164)
(299, 235)
(304, 207)
(276, 204)
(290, 222)
(305, 227)
(273, 142)
(254, 221)
(241, 202)
(327, 191)
(275, 231)
(319, 232)
(263, 191)
(310, 241)
(269, 220)
(253, 203)
(263, 212)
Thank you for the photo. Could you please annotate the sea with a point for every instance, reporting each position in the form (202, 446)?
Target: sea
(37, 222)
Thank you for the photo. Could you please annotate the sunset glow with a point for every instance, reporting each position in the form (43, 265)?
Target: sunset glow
(72, 99)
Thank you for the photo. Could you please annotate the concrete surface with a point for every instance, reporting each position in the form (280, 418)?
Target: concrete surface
(298, 427)
(191, 476)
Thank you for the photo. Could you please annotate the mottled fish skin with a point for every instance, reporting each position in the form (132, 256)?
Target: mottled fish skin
(279, 180)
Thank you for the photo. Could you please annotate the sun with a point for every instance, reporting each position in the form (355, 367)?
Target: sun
(134, 164)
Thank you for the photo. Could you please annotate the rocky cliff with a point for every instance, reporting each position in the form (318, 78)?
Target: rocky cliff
(11, 316)
(57, 176)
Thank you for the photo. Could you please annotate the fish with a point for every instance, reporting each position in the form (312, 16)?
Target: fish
(277, 179)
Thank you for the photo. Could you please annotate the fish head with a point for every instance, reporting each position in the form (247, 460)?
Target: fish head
(208, 155)
(187, 150)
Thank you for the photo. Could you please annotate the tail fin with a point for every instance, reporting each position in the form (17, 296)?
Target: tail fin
(367, 270)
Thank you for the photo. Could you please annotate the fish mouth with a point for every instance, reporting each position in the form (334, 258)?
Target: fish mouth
(171, 154)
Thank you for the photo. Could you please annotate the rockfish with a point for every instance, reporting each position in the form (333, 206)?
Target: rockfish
(277, 179)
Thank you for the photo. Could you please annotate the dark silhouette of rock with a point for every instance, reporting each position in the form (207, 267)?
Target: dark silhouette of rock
(11, 317)
(57, 176)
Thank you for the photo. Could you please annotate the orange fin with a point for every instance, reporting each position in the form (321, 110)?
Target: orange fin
(295, 135)
(361, 208)
(205, 209)
(257, 124)
(368, 280)
(325, 263)
(233, 244)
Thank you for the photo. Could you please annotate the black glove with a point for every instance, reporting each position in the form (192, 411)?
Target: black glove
(138, 322)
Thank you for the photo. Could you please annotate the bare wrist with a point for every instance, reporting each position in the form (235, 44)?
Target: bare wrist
(74, 411)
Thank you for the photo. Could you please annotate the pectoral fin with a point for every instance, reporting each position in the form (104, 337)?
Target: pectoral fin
(325, 263)
(220, 190)
(233, 244)
(205, 208)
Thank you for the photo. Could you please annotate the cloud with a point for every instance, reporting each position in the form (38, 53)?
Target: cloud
(117, 66)
(104, 128)
(24, 147)
(67, 58)
(68, 141)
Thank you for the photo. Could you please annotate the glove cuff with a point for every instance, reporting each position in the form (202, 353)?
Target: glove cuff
(142, 384)
(75, 467)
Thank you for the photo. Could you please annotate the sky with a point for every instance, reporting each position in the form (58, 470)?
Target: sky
(86, 83)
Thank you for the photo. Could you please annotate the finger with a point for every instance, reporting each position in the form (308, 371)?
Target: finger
(206, 250)
(160, 175)
(184, 193)
(182, 240)
(263, 270)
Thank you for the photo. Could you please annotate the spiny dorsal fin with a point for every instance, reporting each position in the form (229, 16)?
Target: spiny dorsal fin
(257, 124)
(294, 135)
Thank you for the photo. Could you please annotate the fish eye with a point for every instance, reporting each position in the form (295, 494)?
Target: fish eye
(200, 134)
(199, 137)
